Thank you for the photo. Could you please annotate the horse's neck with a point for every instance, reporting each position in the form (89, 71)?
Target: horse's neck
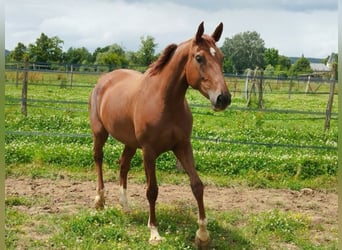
(173, 81)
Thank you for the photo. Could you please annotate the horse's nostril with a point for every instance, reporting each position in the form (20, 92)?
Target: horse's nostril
(223, 100)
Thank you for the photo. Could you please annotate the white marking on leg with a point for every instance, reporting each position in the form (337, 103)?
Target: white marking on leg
(123, 199)
(155, 238)
(202, 233)
(99, 199)
(212, 51)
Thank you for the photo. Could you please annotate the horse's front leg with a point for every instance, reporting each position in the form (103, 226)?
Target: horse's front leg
(184, 154)
(152, 194)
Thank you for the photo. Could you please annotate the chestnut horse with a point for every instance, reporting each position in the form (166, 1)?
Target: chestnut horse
(149, 111)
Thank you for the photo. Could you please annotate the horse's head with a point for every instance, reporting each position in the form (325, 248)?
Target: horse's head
(204, 68)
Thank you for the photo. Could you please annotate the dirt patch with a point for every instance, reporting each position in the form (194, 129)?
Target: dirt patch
(68, 196)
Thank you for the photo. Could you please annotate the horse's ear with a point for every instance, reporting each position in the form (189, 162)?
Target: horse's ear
(218, 32)
(200, 32)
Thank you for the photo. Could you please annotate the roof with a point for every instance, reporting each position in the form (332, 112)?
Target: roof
(331, 58)
(319, 67)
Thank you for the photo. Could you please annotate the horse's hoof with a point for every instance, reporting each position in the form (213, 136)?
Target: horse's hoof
(126, 209)
(155, 240)
(99, 200)
(125, 206)
(99, 204)
(202, 243)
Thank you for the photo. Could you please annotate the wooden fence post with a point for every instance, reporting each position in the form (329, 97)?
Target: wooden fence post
(235, 83)
(17, 76)
(260, 90)
(24, 88)
(308, 85)
(249, 93)
(246, 84)
(290, 86)
(71, 75)
(330, 100)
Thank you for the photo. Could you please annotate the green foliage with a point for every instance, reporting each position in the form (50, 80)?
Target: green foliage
(113, 55)
(17, 201)
(228, 66)
(301, 66)
(17, 55)
(13, 223)
(77, 56)
(283, 225)
(113, 229)
(264, 165)
(271, 56)
(146, 53)
(284, 63)
(269, 70)
(46, 49)
(245, 50)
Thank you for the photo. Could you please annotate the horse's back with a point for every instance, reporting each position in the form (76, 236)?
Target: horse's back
(118, 77)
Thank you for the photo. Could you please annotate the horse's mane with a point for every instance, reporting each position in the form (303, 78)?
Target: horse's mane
(162, 60)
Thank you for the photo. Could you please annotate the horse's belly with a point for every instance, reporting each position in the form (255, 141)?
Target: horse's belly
(123, 132)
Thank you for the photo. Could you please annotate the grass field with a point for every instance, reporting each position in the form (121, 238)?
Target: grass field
(239, 147)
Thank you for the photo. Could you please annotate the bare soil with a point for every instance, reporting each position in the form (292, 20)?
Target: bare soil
(68, 196)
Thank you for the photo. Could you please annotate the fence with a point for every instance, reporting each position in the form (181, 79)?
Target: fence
(254, 84)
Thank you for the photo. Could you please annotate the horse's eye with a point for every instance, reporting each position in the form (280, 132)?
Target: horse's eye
(199, 58)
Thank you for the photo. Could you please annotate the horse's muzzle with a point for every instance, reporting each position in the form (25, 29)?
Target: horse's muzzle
(223, 101)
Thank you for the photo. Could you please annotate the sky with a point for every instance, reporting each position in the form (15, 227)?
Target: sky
(294, 28)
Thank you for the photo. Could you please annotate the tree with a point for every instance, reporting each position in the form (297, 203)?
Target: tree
(245, 50)
(284, 63)
(271, 56)
(301, 66)
(18, 53)
(146, 52)
(46, 49)
(283, 66)
(228, 66)
(269, 70)
(77, 56)
(113, 55)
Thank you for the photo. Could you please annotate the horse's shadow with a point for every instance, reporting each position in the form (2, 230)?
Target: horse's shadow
(178, 225)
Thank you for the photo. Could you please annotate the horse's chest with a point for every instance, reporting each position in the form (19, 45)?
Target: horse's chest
(164, 132)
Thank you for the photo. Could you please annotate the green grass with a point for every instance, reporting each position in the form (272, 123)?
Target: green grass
(113, 229)
(220, 163)
(267, 165)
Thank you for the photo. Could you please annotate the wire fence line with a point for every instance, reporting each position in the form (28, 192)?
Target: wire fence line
(198, 138)
(32, 102)
(16, 101)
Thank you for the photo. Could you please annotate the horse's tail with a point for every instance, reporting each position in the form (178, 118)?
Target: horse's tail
(93, 105)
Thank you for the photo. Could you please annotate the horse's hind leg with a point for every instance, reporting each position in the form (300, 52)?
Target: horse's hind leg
(125, 162)
(100, 138)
